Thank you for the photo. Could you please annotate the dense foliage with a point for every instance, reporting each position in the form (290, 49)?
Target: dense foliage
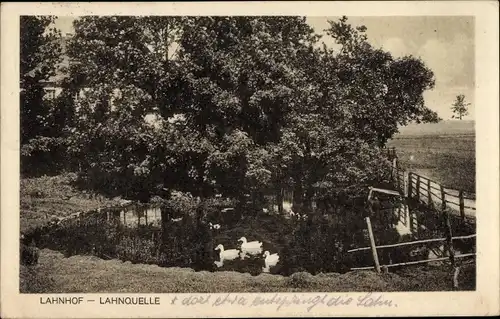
(42, 121)
(234, 105)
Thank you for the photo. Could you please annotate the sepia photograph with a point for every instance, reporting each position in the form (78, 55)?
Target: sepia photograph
(242, 153)
(233, 154)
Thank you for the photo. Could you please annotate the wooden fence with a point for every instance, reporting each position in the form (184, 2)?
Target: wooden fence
(431, 193)
(134, 214)
(374, 250)
(438, 200)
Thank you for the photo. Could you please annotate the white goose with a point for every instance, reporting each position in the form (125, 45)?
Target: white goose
(214, 226)
(252, 248)
(230, 254)
(270, 260)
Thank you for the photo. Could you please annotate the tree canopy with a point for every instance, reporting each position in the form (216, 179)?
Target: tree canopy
(241, 105)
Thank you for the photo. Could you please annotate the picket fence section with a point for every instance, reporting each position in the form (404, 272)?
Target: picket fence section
(433, 194)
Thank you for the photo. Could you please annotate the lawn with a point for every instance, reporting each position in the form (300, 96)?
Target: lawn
(48, 197)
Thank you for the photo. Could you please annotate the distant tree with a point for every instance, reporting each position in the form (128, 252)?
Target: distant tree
(460, 108)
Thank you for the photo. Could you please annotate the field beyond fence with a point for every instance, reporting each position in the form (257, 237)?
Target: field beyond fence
(433, 194)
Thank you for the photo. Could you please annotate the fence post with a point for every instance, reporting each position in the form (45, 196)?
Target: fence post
(449, 240)
(461, 201)
(443, 198)
(398, 181)
(429, 195)
(409, 184)
(418, 188)
(372, 244)
(413, 223)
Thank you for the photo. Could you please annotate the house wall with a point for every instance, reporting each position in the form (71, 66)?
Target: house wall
(52, 92)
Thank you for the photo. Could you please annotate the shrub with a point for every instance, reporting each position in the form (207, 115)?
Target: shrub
(29, 255)
(138, 250)
(318, 245)
(182, 204)
(43, 155)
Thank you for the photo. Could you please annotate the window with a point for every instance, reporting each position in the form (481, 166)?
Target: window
(50, 94)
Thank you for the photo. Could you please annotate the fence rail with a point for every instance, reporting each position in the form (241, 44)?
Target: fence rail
(423, 190)
(431, 240)
(439, 200)
(416, 262)
(449, 243)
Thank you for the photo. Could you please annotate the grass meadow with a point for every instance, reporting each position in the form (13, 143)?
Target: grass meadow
(443, 152)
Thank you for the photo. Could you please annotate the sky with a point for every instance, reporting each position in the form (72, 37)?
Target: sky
(445, 43)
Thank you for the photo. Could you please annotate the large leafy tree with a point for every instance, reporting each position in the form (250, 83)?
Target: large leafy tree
(123, 70)
(230, 79)
(355, 101)
(382, 92)
(242, 104)
(39, 55)
(241, 75)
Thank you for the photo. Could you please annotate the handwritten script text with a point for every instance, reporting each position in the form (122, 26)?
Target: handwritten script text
(282, 301)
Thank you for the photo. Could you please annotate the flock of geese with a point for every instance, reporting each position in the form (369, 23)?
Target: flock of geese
(247, 248)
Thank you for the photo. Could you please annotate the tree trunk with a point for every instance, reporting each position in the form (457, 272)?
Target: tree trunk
(298, 197)
(279, 198)
(165, 218)
(308, 200)
(279, 191)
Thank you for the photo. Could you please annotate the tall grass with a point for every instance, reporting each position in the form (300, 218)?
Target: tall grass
(450, 160)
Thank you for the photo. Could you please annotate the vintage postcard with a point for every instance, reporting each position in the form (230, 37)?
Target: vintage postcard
(249, 159)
